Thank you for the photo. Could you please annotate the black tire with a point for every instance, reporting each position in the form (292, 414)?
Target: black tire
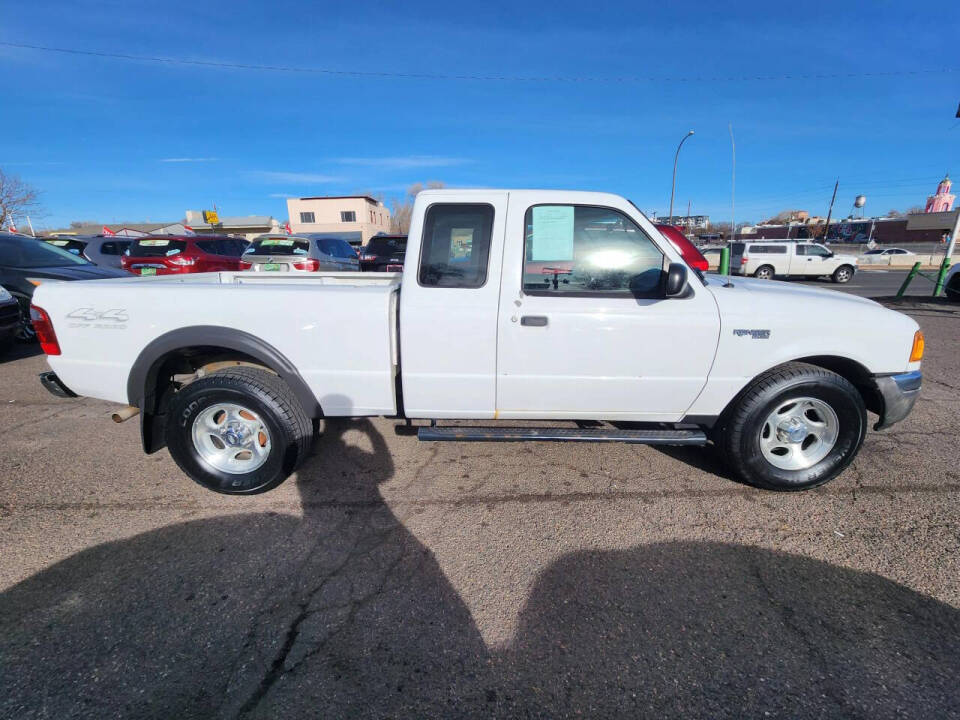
(740, 426)
(842, 274)
(25, 333)
(268, 397)
(764, 272)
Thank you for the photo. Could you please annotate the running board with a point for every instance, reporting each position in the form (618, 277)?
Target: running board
(541, 434)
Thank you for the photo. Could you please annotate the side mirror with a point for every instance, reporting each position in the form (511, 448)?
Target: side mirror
(676, 283)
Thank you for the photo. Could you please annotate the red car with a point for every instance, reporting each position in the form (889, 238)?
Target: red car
(168, 254)
(687, 249)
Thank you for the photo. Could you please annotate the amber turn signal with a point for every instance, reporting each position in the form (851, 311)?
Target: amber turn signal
(916, 352)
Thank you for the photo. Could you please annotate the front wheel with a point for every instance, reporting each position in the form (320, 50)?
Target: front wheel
(239, 431)
(842, 274)
(794, 428)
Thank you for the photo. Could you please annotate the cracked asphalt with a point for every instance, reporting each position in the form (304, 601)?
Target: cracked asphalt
(393, 579)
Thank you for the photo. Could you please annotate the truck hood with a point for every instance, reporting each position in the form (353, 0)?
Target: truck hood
(802, 321)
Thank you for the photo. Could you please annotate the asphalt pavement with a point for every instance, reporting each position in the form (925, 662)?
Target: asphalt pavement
(395, 579)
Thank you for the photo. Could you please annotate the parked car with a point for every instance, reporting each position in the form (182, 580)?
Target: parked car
(102, 250)
(26, 263)
(168, 254)
(951, 285)
(384, 253)
(9, 319)
(766, 260)
(780, 376)
(299, 253)
(886, 255)
(693, 257)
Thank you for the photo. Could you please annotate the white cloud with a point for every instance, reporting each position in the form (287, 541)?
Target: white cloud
(188, 160)
(295, 177)
(405, 162)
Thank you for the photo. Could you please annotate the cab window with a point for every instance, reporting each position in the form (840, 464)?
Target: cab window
(579, 250)
(456, 245)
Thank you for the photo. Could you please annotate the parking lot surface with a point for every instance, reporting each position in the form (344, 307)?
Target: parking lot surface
(393, 579)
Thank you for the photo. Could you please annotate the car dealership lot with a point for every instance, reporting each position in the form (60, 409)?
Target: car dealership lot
(391, 578)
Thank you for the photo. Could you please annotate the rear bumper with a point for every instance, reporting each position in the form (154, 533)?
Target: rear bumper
(55, 385)
(899, 393)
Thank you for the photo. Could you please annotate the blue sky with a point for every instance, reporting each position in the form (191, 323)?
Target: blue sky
(113, 140)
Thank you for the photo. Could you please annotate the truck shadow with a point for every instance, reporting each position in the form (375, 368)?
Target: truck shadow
(344, 613)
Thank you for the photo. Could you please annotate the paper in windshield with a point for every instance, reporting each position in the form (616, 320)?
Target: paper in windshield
(552, 234)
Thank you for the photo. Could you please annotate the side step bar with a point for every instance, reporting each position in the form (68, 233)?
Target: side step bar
(527, 434)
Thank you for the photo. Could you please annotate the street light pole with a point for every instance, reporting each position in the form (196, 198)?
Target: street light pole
(673, 186)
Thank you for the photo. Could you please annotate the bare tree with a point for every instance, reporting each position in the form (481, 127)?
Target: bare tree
(17, 198)
(401, 211)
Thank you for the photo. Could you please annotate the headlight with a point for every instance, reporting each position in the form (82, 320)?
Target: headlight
(4, 295)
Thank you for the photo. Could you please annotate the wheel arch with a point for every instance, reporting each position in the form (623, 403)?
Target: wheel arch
(852, 371)
(185, 350)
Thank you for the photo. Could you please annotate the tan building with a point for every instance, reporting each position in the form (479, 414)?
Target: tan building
(355, 218)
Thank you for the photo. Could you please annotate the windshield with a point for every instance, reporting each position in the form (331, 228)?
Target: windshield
(31, 253)
(279, 246)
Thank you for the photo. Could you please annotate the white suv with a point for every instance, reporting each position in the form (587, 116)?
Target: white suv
(766, 260)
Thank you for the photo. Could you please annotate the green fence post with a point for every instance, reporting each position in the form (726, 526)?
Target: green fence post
(944, 266)
(724, 268)
(913, 273)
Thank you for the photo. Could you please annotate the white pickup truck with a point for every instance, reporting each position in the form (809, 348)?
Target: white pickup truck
(512, 305)
(767, 259)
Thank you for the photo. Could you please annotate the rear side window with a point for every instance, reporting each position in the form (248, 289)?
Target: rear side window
(456, 246)
(157, 247)
(768, 250)
(345, 251)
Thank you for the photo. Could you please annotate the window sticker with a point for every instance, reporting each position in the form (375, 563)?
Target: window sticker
(173, 251)
(154, 243)
(461, 244)
(272, 241)
(299, 251)
(552, 233)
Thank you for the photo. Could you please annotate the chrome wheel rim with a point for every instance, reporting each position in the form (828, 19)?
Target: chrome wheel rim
(843, 275)
(231, 438)
(799, 433)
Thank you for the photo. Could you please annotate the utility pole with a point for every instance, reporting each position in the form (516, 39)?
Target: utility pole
(826, 229)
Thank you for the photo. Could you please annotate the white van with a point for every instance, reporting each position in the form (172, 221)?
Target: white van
(766, 260)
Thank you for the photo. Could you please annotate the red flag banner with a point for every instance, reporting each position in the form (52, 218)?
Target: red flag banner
(108, 231)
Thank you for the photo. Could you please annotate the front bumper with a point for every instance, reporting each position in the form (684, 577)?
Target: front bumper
(898, 393)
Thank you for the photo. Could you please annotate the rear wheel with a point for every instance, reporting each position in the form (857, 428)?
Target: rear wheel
(795, 427)
(24, 332)
(239, 431)
(842, 274)
(764, 272)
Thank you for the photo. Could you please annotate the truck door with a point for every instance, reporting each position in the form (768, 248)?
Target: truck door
(810, 260)
(584, 329)
(448, 304)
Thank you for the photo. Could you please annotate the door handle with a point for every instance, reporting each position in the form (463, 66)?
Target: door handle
(534, 320)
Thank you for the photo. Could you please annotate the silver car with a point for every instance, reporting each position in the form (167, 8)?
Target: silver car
(102, 250)
(292, 253)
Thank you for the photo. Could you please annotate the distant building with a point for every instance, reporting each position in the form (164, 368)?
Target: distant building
(249, 226)
(354, 218)
(687, 222)
(942, 200)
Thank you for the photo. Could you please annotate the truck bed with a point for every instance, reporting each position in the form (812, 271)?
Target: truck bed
(337, 329)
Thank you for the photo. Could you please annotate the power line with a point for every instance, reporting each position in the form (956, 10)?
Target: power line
(444, 76)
